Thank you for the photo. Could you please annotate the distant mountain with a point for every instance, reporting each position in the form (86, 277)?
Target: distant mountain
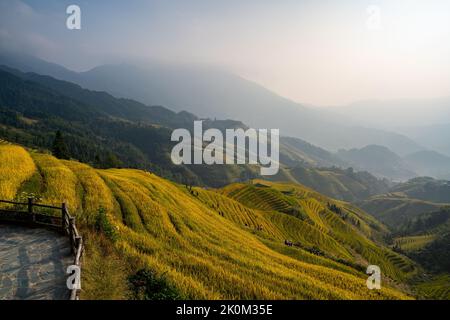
(429, 163)
(398, 113)
(395, 209)
(425, 188)
(384, 163)
(97, 125)
(100, 129)
(433, 136)
(378, 160)
(426, 121)
(209, 92)
(294, 150)
(106, 104)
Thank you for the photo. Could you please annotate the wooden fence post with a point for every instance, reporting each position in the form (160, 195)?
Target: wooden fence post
(63, 217)
(72, 243)
(78, 241)
(30, 209)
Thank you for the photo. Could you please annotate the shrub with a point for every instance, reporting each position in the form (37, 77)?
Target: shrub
(145, 285)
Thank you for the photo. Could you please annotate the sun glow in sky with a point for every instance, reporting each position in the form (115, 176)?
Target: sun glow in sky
(317, 52)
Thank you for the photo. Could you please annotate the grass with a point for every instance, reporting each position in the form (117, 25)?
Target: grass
(214, 244)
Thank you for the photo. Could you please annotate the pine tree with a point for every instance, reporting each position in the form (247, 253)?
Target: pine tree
(60, 149)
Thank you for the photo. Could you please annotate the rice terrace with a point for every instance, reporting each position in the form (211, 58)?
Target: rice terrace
(215, 244)
(224, 159)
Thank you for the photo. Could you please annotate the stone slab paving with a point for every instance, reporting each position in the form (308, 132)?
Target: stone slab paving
(33, 263)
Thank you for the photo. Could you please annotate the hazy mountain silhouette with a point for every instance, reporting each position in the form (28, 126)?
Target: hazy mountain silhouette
(210, 92)
(434, 136)
(398, 113)
(33, 106)
(429, 163)
(379, 160)
(426, 121)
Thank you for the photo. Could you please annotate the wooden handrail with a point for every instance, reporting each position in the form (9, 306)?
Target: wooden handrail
(76, 241)
(46, 206)
(33, 204)
(12, 202)
(67, 226)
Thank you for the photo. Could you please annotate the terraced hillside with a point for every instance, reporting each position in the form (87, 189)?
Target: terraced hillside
(396, 208)
(309, 218)
(421, 231)
(343, 184)
(436, 288)
(431, 250)
(425, 188)
(413, 243)
(210, 244)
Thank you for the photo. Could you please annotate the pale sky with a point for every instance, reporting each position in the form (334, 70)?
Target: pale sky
(315, 52)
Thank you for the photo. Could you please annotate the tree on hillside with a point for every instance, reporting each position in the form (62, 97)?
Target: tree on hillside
(107, 160)
(59, 148)
(111, 161)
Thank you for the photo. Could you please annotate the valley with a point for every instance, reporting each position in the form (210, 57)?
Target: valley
(224, 159)
(420, 229)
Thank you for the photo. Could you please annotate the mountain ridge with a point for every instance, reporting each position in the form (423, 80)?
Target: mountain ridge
(215, 93)
(139, 135)
(379, 160)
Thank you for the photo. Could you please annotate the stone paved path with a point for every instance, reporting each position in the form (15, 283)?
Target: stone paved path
(33, 263)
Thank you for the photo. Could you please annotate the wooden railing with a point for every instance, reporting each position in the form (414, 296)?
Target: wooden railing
(24, 213)
(76, 242)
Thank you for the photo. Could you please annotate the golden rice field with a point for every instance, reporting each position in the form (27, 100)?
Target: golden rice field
(209, 244)
(16, 166)
(348, 240)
